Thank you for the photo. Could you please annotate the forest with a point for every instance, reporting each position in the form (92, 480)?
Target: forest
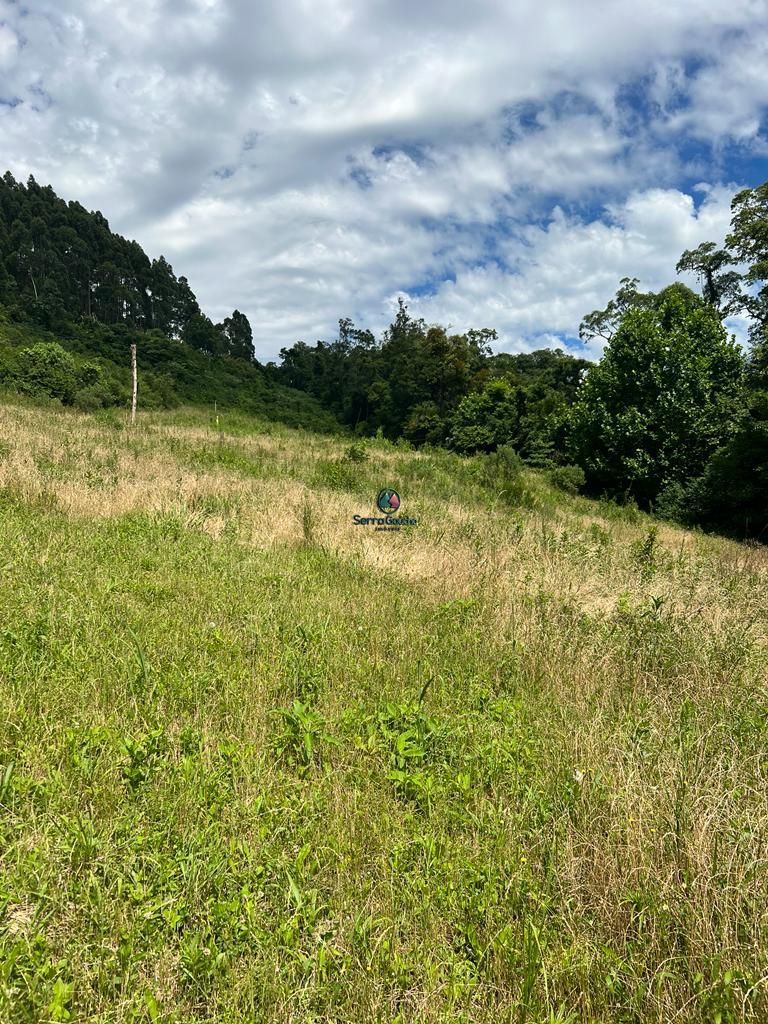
(673, 417)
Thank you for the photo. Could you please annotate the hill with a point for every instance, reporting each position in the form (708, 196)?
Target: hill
(68, 281)
(89, 367)
(260, 763)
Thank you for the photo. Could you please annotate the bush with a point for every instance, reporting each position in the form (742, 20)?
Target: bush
(88, 400)
(46, 369)
(570, 479)
(356, 452)
(502, 472)
(88, 375)
(485, 420)
(502, 466)
(338, 476)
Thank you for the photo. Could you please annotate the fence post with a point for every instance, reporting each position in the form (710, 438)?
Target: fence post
(135, 384)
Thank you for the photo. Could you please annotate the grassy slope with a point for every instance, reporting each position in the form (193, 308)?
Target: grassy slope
(571, 827)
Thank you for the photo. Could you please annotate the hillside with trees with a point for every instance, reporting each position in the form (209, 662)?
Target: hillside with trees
(674, 416)
(74, 296)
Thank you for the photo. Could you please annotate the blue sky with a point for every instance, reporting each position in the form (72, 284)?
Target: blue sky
(500, 165)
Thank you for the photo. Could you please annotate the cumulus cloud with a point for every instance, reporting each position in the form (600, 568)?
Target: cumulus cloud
(570, 266)
(504, 164)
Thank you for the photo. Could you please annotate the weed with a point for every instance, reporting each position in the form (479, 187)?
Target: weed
(143, 753)
(308, 523)
(302, 736)
(337, 475)
(646, 552)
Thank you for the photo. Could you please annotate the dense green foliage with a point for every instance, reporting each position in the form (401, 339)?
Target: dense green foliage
(431, 387)
(58, 262)
(661, 401)
(93, 372)
(74, 296)
(673, 417)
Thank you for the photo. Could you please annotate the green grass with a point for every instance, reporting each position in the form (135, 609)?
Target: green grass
(257, 765)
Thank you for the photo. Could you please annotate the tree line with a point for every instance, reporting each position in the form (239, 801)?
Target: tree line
(60, 263)
(74, 295)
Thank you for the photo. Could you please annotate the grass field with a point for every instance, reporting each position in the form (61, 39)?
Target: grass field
(259, 764)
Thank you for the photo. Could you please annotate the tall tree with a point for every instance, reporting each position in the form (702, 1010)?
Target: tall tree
(748, 244)
(720, 287)
(603, 323)
(201, 333)
(661, 401)
(237, 336)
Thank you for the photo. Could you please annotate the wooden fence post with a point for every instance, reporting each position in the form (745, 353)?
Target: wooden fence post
(135, 384)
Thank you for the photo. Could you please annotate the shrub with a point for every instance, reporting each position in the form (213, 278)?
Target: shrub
(88, 375)
(89, 399)
(570, 479)
(338, 476)
(502, 466)
(46, 369)
(356, 452)
(502, 472)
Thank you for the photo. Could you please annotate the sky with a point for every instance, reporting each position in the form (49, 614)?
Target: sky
(498, 164)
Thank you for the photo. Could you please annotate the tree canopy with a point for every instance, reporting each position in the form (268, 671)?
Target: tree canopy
(661, 401)
(59, 263)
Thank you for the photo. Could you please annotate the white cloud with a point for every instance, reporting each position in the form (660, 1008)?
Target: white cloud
(570, 266)
(9, 45)
(305, 161)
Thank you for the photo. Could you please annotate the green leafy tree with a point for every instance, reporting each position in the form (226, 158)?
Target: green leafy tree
(425, 424)
(486, 420)
(237, 336)
(720, 287)
(603, 323)
(663, 398)
(732, 494)
(202, 334)
(748, 244)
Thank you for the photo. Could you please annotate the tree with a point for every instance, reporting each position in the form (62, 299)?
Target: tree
(487, 419)
(720, 288)
(425, 424)
(748, 243)
(202, 334)
(237, 336)
(732, 494)
(748, 238)
(602, 323)
(185, 308)
(47, 369)
(662, 400)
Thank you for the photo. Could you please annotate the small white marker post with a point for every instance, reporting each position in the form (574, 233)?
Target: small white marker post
(135, 384)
